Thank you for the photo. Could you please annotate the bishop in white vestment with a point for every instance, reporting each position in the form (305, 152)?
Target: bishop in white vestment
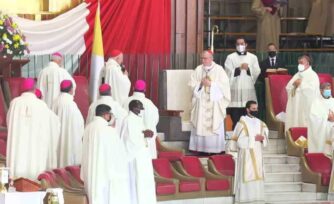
(141, 168)
(106, 98)
(251, 135)
(321, 122)
(50, 77)
(211, 96)
(30, 143)
(302, 89)
(150, 114)
(72, 126)
(113, 75)
(243, 69)
(55, 135)
(104, 166)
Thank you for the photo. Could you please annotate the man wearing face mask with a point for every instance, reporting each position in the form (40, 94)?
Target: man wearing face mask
(302, 89)
(321, 122)
(243, 69)
(134, 135)
(273, 61)
(104, 166)
(150, 115)
(251, 136)
(211, 96)
(113, 75)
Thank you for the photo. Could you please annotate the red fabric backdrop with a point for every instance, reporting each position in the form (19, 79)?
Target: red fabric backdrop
(141, 29)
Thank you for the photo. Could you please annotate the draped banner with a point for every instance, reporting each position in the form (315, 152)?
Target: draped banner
(64, 33)
(141, 29)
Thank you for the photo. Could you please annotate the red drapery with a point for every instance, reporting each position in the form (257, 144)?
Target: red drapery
(141, 29)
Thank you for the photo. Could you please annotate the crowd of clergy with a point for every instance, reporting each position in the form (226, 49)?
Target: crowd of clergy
(46, 129)
(115, 146)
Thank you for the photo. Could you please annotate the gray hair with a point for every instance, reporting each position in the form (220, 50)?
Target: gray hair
(325, 85)
(56, 57)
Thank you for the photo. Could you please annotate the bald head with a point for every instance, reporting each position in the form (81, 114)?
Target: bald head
(207, 58)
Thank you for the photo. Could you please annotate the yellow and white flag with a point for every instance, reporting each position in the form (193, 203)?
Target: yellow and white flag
(97, 59)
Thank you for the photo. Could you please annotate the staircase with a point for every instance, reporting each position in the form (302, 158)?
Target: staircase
(283, 182)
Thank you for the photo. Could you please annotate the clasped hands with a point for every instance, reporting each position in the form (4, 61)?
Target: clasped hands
(331, 116)
(259, 138)
(148, 133)
(244, 66)
(206, 82)
(297, 83)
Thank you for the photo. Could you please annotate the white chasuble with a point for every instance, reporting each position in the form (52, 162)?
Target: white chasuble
(104, 166)
(141, 168)
(301, 98)
(49, 80)
(120, 83)
(209, 109)
(30, 147)
(72, 129)
(320, 130)
(150, 115)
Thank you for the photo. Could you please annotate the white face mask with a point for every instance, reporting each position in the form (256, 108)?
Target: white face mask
(301, 67)
(241, 48)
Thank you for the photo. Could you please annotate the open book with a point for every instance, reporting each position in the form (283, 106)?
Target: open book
(281, 71)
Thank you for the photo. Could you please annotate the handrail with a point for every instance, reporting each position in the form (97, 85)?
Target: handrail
(248, 18)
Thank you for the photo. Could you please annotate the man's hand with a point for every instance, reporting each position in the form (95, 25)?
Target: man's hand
(148, 133)
(331, 116)
(259, 138)
(206, 82)
(268, 9)
(297, 83)
(244, 66)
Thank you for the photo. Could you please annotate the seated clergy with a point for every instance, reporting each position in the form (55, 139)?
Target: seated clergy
(321, 122)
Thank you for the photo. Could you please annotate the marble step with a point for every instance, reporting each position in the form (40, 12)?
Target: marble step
(275, 146)
(280, 168)
(290, 197)
(280, 159)
(282, 187)
(301, 202)
(283, 177)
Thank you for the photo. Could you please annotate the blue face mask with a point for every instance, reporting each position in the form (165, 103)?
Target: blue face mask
(327, 93)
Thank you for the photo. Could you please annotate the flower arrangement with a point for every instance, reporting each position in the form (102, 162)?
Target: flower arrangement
(12, 41)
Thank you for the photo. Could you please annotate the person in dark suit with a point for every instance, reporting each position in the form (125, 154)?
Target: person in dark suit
(271, 62)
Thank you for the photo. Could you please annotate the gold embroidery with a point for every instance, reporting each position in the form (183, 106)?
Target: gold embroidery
(252, 154)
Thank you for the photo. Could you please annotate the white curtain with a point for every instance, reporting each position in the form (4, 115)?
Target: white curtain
(64, 33)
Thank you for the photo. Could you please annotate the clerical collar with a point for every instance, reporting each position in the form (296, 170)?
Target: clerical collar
(241, 53)
(207, 69)
(271, 58)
